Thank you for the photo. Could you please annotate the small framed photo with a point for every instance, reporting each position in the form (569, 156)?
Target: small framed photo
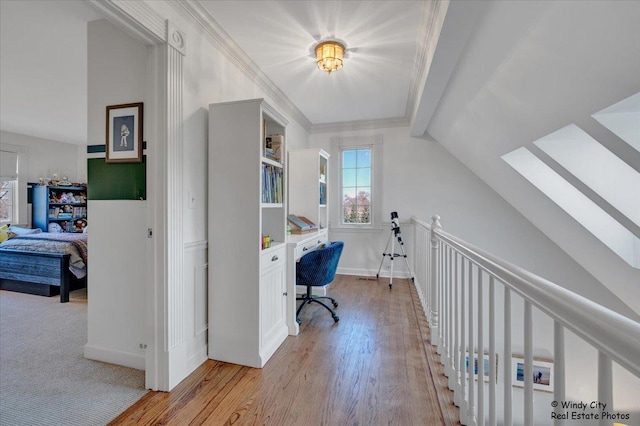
(475, 365)
(542, 373)
(124, 133)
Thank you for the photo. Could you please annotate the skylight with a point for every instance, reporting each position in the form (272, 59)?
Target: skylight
(597, 167)
(580, 207)
(623, 119)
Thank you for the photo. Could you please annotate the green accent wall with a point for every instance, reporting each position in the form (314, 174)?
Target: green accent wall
(116, 181)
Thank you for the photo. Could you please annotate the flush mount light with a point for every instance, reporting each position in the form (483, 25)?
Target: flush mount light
(329, 55)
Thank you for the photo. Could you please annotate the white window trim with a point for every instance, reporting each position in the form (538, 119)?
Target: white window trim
(21, 189)
(339, 144)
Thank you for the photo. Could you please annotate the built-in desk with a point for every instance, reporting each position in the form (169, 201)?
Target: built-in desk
(297, 246)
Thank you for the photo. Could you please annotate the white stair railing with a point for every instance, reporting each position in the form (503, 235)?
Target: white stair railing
(455, 305)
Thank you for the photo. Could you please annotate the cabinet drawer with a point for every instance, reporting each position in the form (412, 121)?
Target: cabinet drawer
(303, 249)
(273, 258)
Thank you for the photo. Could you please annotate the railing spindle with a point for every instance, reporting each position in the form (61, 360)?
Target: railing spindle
(440, 296)
(508, 391)
(480, 409)
(471, 411)
(447, 337)
(528, 364)
(492, 353)
(605, 388)
(463, 359)
(454, 379)
(450, 325)
(433, 303)
(559, 375)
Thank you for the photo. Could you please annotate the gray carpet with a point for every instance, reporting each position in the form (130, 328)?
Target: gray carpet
(44, 377)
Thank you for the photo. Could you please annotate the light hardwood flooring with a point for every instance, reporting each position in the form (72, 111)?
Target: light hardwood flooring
(373, 367)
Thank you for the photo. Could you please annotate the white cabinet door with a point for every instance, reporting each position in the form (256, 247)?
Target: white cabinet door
(272, 303)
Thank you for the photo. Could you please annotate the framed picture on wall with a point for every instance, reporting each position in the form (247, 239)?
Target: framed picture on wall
(542, 373)
(124, 133)
(485, 367)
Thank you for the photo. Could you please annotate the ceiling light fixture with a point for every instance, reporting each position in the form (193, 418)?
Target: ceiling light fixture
(329, 55)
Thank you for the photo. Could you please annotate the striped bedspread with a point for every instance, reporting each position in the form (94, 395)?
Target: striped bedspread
(49, 242)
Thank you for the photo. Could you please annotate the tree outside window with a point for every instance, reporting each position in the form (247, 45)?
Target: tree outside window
(356, 186)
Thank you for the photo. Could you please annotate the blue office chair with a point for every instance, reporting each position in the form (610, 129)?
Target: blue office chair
(318, 269)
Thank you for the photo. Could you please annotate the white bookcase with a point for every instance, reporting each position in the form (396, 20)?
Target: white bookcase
(308, 174)
(308, 179)
(247, 200)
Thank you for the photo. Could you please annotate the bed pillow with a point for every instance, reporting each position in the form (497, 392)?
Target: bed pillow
(19, 230)
(4, 232)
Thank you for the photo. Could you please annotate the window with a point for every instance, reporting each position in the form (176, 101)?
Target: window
(13, 186)
(7, 201)
(357, 182)
(356, 186)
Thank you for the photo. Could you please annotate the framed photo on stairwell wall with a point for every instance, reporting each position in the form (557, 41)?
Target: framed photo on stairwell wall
(485, 359)
(124, 133)
(542, 373)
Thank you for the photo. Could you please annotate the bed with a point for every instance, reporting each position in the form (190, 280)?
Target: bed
(44, 263)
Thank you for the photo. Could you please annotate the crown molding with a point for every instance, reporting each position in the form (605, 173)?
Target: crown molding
(135, 17)
(201, 19)
(382, 123)
(427, 39)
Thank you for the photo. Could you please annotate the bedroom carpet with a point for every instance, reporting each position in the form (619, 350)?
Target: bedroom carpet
(44, 377)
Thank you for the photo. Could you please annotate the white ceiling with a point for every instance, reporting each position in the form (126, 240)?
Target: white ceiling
(44, 71)
(381, 38)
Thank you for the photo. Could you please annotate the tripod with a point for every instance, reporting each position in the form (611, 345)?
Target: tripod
(395, 231)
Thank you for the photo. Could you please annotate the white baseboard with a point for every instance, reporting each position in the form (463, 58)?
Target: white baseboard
(372, 273)
(197, 359)
(115, 357)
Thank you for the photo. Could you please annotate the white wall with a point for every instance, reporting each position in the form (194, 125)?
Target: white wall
(421, 178)
(47, 156)
(43, 48)
(117, 236)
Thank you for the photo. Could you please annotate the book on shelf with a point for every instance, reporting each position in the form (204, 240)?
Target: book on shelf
(300, 224)
(323, 193)
(272, 184)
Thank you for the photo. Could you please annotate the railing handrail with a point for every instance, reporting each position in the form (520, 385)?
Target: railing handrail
(606, 330)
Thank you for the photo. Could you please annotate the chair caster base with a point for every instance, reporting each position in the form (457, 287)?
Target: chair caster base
(336, 318)
(335, 304)
(299, 321)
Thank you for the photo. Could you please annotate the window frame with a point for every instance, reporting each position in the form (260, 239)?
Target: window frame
(14, 201)
(339, 145)
(21, 211)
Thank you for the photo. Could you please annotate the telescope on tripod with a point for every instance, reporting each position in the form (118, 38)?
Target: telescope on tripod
(395, 232)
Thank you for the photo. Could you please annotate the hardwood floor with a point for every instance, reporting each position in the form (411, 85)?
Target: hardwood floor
(370, 368)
